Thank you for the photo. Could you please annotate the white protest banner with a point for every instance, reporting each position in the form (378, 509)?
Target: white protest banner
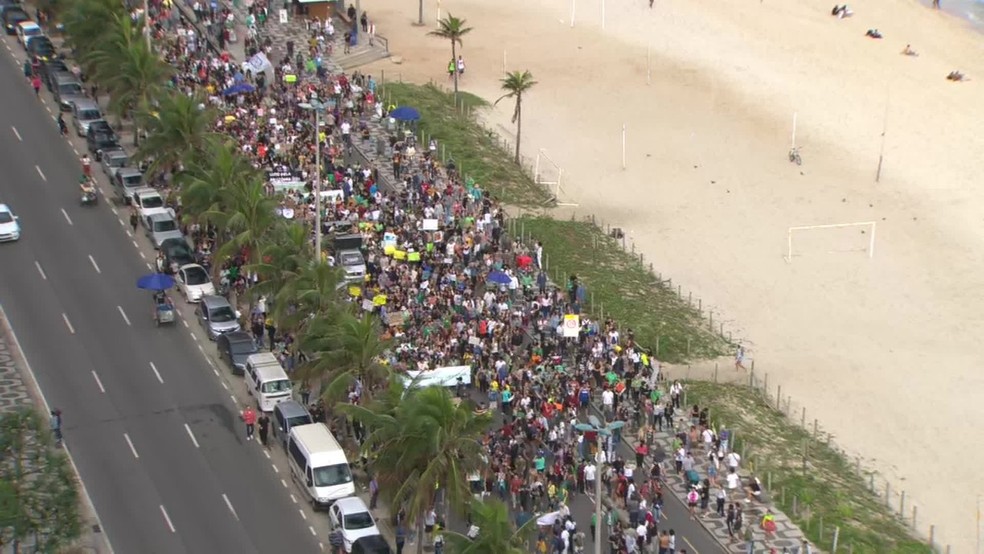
(572, 325)
(283, 17)
(429, 225)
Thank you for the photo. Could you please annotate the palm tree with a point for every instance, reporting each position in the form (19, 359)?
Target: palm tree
(452, 28)
(249, 217)
(85, 23)
(281, 258)
(350, 348)
(497, 531)
(310, 293)
(178, 128)
(206, 178)
(516, 84)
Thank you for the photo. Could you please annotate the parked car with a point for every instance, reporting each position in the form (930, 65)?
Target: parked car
(26, 30)
(175, 253)
(127, 180)
(41, 47)
(352, 518)
(67, 90)
(9, 224)
(147, 201)
(112, 160)
(234, 348)
(194, 282)
(217, 316)
(373, 544)
(12, 17)
(99, 137)
(84, 112)
(51, 69)
(161, 227)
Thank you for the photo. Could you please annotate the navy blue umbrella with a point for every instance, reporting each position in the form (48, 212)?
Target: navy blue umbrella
(499, 278)
(238, 88)
(405, 113)
(155, 281)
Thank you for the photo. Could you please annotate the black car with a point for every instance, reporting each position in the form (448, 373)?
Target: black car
(12, 17)
(42, 48)
(100, 137)
(50, 70)
(234, 348)
(176, 254)
(373, 544)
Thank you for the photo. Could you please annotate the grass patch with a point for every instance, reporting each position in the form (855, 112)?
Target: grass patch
(828, 491)
(475, 151)
(620, 287)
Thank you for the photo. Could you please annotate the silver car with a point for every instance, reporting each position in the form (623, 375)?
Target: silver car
(217, 316)
(160, 227)
(67, 90)
(113, 160)
(84, 112)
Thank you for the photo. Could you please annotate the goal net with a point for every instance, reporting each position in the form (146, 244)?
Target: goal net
(829, 239)
(546, 172)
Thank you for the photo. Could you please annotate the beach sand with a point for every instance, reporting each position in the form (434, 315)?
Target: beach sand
(883, 351)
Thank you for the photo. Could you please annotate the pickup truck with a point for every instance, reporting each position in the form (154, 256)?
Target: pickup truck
(148, 202)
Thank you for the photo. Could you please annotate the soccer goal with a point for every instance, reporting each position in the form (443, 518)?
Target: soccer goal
(833, 238)
(549, 174)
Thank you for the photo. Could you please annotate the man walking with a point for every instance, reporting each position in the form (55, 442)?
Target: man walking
(133, 219)
(249, 417)
(264, 422)
(373, 492)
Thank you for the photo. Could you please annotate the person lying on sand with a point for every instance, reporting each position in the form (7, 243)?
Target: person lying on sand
(908, 51)
(840, 12)
(956, 76)
(873, 33)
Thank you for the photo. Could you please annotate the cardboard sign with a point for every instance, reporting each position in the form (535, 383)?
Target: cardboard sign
(283, 17)
(429, 225)
(572, 325)
(394, 318)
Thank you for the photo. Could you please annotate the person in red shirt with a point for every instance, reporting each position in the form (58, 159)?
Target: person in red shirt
(249, 417)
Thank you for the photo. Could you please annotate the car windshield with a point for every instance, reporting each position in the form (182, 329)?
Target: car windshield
(195, 275)
(176, 249)
(5, 217)
(162, 225)
(32, 31)
(86, 115)
(361, 520)
(131, 180)
(69, 88)
(351, 258)
(152, 202)
(118, 161)
(329, 476)
(222, 315)
(280, 385)
(244, 347)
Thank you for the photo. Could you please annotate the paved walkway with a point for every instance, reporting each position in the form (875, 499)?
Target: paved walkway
(17, 392)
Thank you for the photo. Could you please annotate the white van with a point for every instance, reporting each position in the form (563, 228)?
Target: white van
(266, 380)
(318, 464)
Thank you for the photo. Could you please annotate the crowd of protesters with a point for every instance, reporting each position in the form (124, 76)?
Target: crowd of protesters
(433, 243)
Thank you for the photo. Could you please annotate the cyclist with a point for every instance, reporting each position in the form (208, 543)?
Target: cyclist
(56, 425)
(62, 127)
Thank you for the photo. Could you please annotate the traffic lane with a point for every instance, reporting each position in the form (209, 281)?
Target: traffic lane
(123, 493)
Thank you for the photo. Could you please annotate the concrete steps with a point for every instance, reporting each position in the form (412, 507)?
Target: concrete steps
(360, 55)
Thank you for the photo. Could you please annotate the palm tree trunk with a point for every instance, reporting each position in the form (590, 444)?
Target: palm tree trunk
(420, 535)
(519, 124)
(420, 17)
(454, 62)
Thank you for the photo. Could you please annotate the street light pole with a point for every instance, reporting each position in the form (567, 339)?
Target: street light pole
(146, 8)
(602, 430)
(316, 107)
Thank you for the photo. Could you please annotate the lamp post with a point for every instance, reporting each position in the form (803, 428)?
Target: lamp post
(602, 430)
(317, 107)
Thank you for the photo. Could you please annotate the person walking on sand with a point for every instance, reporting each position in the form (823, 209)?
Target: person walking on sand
(740, 358)
(451, 69)
(461, 66)
(936, 4)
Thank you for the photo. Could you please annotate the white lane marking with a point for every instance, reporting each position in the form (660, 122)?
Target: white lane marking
(267, 454)
(132, 449)
(284, 483)
(167, 519)
(135, 243)
(122, 313)
(112, 208)
(193, 336)
(303, 515)
(293, 498)
(157, 373)
(229, 505)
(142, 255)
(68, 219)
(313, 532)
(68, 324)
(275, 470)
(216, 372)
(234, 401)
(184, 321)
(150, 267)
(99, 382)
(76, 150)
(41, 271)
(94, 264)
(226, 387)
(120, 219)
(41, 173)
(321, 547)
(192, 435)
(14, 129)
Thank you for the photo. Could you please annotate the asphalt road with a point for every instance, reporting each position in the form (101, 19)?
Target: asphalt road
(154, 433)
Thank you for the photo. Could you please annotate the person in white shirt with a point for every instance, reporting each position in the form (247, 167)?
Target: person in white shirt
(733, 459)
(590, 473)
(608, 401)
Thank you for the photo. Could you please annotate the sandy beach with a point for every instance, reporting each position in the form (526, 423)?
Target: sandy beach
(882, 350)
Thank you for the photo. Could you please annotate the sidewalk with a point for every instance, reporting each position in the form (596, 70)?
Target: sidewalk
(18, 390)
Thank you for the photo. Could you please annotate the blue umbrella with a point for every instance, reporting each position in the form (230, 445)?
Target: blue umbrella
(155, 281)
(499, 278)
(238, 88)
(405, 113)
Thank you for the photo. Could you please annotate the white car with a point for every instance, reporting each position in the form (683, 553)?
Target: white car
(194, 282)
(351, 517)
(26, 30)
(149, 202)
(9, 227)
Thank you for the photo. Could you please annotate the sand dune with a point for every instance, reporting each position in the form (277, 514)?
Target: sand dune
(885, 350)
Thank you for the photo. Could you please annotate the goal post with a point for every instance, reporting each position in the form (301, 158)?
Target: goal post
(865, 227)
